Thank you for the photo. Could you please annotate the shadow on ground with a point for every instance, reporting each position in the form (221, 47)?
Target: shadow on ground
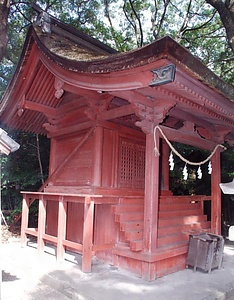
(8, 277)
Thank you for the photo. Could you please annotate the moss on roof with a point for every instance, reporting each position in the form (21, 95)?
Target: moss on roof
(66, 48)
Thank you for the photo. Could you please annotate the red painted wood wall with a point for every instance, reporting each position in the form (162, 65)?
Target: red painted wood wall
(122, 167)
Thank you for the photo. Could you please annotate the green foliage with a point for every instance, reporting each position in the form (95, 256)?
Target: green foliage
(193, 185)
(227, 164)
(127, 24)
(20, 170)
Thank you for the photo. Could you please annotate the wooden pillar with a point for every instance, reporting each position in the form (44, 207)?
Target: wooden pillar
(216, 194)
(97, 165)
(62, 217)
(24, 219)
(151, 194)
(165, 166)
(88, 235)
(41, 224)
(151, 203)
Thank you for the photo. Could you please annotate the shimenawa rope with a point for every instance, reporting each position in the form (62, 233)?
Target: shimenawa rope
(156, 150)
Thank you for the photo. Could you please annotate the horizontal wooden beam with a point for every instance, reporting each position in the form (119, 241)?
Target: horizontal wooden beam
(116, 112)
(187, 138)
(81, 91)
(133, 96)
(40, 108)
(76, 103)
(182, 115)
(53, 132)
(73, 245)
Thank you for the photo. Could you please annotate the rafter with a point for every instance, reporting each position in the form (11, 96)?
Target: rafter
(46, 110)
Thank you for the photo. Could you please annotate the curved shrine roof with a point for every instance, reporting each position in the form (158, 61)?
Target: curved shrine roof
(62, 61)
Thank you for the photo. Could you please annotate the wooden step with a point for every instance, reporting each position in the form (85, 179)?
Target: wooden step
(181, 199)
(198, 226)
(166, 248)
(121, 208)
(181, 220)
(180, 206)
(132, 200)
(167, 231)
(136, 245)
(175, 214)
(129, 216)
(172, 239)
(131, 225)
(134, 235)
(161, 253)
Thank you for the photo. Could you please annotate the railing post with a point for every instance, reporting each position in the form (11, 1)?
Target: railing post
(88, 234)
(62, 217)
(24, 220)
(41, 224)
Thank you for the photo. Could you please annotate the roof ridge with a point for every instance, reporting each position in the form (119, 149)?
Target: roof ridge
(74, 34)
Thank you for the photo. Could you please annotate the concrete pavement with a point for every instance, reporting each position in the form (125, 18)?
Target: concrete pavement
(29, 276)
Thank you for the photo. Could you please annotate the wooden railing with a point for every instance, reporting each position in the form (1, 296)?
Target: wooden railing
(86, 248)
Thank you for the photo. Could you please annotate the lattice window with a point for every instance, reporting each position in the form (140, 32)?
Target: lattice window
(132, 164)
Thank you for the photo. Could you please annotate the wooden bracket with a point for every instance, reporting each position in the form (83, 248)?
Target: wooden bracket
(21, 106)
(97, 106)
(220, 133)
(59, 91)
(151, 116)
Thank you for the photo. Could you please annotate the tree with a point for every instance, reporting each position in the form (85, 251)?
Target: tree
(126, 24)
(24, 169)
(4, 13)
(226, 12)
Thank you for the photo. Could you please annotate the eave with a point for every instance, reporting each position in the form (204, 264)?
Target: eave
(42, 79)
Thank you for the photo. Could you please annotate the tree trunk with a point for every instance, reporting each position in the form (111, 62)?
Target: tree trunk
(4, 12)
(226, 12)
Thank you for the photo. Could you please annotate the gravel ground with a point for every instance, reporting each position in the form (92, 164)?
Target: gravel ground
(9, 236)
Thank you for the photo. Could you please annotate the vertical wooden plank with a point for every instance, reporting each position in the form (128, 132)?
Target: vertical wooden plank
(148, 271)
(151, 194)
(110, 157)
(62, 217)
(24, 220)
(41, 224)
(216, 194)
(115, 159)
(97, 149)
(88, 234)
(165, 166)
(52, 164)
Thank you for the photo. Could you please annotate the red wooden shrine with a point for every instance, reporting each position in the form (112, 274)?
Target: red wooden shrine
(108, 192)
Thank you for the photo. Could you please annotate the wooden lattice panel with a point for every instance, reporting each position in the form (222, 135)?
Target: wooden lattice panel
(132, 164)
